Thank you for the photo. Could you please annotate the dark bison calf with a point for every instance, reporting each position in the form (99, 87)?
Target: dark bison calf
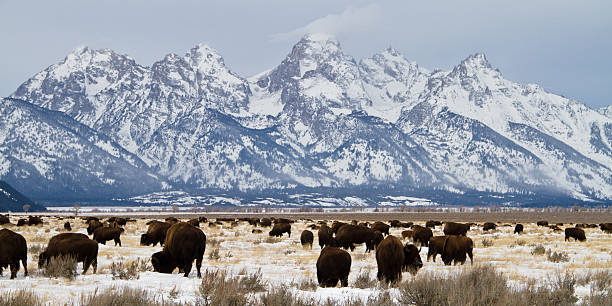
(104, 234)
(392, 258)
(453, 228)
(489, 226)
(13, 248)
(279, 229)
(455, 249)
(184, 243)
(75, 245)
(156, 233)
(518, 229)
(576, 233)
(333, 265)
(307, 238)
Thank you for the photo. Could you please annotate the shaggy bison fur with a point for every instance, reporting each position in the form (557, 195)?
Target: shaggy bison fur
(436, 246)
(93, 224)
(392, 258)
(279, 228)
(333, 265)
(489, 226)
(184, 243)
(76, 245)
(13, 249)
(606, 227)
(518, 229)
(307, 238)
(453, 228)
(4, 219)
(381, 227)
(455, 248)
(156, 233)
(348, 235)
(325, 234)
(421, 235)
(104, 234)
(407, 234)
(576, 233)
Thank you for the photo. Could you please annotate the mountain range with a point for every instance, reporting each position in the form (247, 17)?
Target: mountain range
(98, 125)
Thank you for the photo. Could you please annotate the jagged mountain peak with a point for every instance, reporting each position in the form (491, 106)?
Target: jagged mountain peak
(606, 111)
(202, 55)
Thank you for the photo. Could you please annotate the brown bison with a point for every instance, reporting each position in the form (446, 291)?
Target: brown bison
(333, 265)
(453, 228)
(4, 220)
(306, 238)
(392, 258)
(381, 227)
(436, 246)
(34, 220)
(395, 223)
(606, 227)
(120, 221)
(93, 225)
(489, 226)
(256, 231)
(348, 235)
(194, 222)
(13, 249)
(22, 222)
(172, 220)
(325, 234)
(156, 233)
(407, 234)
(455, 248)
(104, 234)
(282, 220)
(76, 245)
(518, 229)
(421, 235)
(279, 228)
(67, 226)
(184, 243)
(576, 233)
(542, 223)
(265, 222)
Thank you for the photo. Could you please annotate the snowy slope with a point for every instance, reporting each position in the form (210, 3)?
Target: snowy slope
(12, 200)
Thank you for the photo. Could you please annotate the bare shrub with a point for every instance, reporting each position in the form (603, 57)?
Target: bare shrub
(35, 249)
(213, 242)
(220, 288)
(602, 280)
(487, 243)
(282, 295)
(538, 250)
(125, 270)
(556, 256)
(123, 296)
(20, 297)
(306, 284)
(61, 266)
(214, 254)
(271, 239)
(364, 280)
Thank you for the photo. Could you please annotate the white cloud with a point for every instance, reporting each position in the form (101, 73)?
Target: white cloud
(350, 20)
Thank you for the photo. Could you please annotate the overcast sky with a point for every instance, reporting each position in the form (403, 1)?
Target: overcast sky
(565, 46)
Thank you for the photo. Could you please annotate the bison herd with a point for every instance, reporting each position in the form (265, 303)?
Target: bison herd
(184, 242)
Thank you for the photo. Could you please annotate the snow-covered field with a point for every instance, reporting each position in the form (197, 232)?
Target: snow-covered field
(285, 261)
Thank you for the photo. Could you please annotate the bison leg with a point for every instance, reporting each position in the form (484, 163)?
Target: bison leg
(344, 281)
(14, 269)
(187, 269)
(289, 232)
(117, 240)
(24, 262)
(471, 257)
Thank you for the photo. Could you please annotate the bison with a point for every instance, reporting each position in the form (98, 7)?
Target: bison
(172, 220)
(333, 265)
(22, 222)
(279, 229)
(256, 231)
(381, 227)
(336, 226)
(489, 226)
(93, 225)
(194, 222)
(307, 238)
(76, 245)
(348, 235)
(67, 226)
(453, 228)
(13, 250)
(156, 233)
(606, 227)
(184, 243)
(436, 246)
(392, 258)
(455, 248)
(4, 220)
(576, 233)
(34, 220)
(104, 234)
(407, 234)
(518, 229)
(325, 234)
(542, 223)
(265, 222)
(421, 235)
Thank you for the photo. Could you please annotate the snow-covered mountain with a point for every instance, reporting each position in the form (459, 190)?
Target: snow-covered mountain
(323, 120)
(606, 111)
(12, 200)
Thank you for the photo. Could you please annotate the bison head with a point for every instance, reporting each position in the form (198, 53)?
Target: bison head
(412, 259)
(145, 239)
(43, 259)
(162, 262)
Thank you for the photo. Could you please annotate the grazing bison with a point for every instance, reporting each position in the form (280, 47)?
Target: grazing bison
(348, 235)
(120, 221)
(156, 233)
(555, 228)
(93, 225)
(13, 249)
(67, 226)
(265, 222)
(22, 222)
(4, 220)
(325, 234)
(333, 265)
(395, 223)
(489, 226)
(421, 235)
(455, 249)
(279, 229)
(34, 220)
(606, 227)
(453, 228)
(104, 234)
(392, 258)
(436, 246)
(307, 238)
(518, 229)
(336, 226)
(542, 223)
(576, 233)
(407, 234)
(256, 231)
(184, 243)
(76, 245)
(381, 227)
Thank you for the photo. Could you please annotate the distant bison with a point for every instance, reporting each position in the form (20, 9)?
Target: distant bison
(93, 225)
(381, 227)
(576, 233)
(453, 228)
(120, 221)
(4, 220)
(333, 265)
(184, 243)
(407, 234)
(22, 222)
(392, 258)
(455, 249)
(104, 234)
(421, 235)
(194, 222)
(34, 220)
(606, 227)
(432, 223)
(325, 234)
(156, 233)
(542, 223)
(518, 229)
(67, 226)
(256, 231)
(76, 245)
(306, 238)
(265, 222)
(279, 229)
(348, 235)
(336, 226)
(395, 223)
(436, 246)
(13, 250)
(489, 226)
